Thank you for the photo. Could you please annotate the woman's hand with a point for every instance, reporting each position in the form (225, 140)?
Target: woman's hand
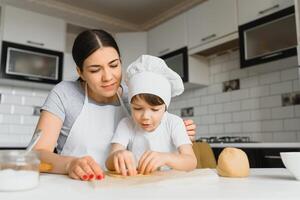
(190, 128)
(84, 168)
(124, 163)
(151, 161)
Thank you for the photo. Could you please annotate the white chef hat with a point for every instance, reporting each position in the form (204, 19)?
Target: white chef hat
(151, 75)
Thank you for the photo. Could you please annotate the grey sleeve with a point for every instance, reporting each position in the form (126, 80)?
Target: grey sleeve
(54, 105)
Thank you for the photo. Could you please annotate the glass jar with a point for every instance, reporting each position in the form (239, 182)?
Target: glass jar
(18, 171)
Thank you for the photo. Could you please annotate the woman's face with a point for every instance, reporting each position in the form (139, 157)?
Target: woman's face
(102, 72)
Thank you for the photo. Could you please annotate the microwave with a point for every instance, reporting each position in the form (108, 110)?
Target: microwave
(178, 62)
(27, 63)
(269, 38)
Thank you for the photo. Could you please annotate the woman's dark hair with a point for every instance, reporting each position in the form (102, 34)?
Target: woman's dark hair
(151, 99)
(89, 41)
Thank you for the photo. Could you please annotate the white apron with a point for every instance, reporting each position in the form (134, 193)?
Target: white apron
(93, 130)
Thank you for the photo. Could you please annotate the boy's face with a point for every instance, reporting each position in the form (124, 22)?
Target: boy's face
(146, 116)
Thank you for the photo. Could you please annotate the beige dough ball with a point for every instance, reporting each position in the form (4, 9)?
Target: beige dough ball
(233, 162)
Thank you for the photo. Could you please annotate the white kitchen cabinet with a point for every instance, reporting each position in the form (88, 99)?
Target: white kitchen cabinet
(33, 29)
(211, 20)
(254, 9)
(131, 46)
(168, 37)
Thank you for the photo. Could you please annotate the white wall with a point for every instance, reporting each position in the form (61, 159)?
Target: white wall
(255, 110)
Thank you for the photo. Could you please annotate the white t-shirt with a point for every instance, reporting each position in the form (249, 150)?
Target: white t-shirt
(167, 137)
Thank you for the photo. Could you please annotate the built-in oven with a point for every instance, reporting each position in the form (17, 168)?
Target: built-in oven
(269, 38)
(21, 62)
(178, 61)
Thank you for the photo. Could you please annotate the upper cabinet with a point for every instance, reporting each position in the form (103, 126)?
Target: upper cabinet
(254, 9)
(33, 29)
(167, 37)
(211, 20)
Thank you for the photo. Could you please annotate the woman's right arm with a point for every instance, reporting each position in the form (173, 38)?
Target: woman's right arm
(84, 168)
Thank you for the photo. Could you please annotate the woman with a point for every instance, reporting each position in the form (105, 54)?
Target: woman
(79, 118)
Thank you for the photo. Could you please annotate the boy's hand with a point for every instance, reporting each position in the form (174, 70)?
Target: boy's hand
(151, 161)
(190, 128)
(124, 163)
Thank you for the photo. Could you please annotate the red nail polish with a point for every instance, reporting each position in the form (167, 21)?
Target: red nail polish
(91, 176)
(99, 177)
(84, 177)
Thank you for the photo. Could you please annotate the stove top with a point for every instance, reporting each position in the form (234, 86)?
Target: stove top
(225, 139)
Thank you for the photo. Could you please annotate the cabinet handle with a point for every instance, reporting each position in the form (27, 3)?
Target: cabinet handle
(273, 157)
(208, 37)
(268, 9)
(164, 51)
(35, 43)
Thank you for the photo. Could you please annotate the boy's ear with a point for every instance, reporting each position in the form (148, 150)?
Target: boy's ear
(80, 73)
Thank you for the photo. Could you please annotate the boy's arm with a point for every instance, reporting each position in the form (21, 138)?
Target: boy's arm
(184, 160)
(110, 160)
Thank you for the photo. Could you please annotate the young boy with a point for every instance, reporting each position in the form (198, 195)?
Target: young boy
(152, 138)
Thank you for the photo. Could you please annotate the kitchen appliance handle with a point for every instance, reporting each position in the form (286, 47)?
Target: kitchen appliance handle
(268, 9)
(164, 51)
(35, 43)
(272, 157)
(208, 37)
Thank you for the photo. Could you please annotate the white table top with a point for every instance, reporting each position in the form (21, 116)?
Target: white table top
(261, 184)
(258, 145)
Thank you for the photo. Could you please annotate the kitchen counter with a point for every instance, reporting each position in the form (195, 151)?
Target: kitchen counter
(261, 184)
(257, 145)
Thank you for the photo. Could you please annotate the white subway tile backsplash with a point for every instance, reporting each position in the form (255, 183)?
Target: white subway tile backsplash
(260, 91)
(240, 94)
(215, 108)
(297, 111)
(280, 88)
(6, 109)
(296, 85)
(40, 93)
(215, 69)
(262, 114)
(32, 120)
(292, 124)
(233, 128)
(216, 129)
(289, 74)
(241, 116)
(201, 110)
(23, 110)
(11, 99)
(4, 129)
(238, 74)
(219, 78)
(216, 88)
(283, 112)
(252, 127)
(200, 92)
(250, 104)
(202, 130)
(269, 78)
(232, 106)
(5, 89)
(272, 125)
(223, 97)
(208, 100)
(34, 101)
(230, 65)
(249, 82)
(10, 119)
(22, 91)
(270, 101)
(208, 119)
(21, 129)
(223, 118)
(284, 136)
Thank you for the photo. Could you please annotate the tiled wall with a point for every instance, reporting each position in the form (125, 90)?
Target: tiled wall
(255, 110)
(19, 114)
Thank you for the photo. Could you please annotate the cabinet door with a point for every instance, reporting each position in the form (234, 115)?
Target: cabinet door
(168, 36)
(211, 20)
(34, 29)
(254, 9)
